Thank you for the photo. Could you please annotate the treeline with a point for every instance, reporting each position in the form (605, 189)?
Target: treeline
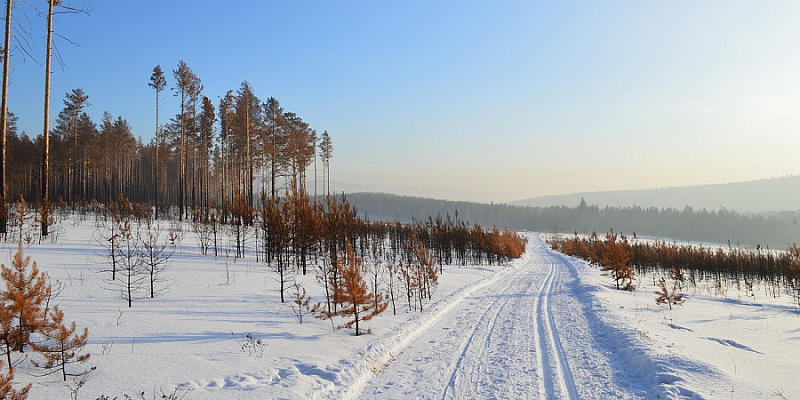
(774, 230)
(292, 230)
(775, 271)
(453, 241)
(205, 153)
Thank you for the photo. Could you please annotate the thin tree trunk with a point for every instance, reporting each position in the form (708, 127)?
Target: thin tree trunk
(183, 164)
(223, 151)
(4, 121)
(72, 188)
(46, 133)
(157, 169)
(249, 160)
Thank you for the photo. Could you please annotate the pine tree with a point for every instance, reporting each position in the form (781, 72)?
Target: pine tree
(277, 238)
(424, 270)
(302, 223)
(242, 216)
(326, 151)
(663, 296)
(353, 294)
(9, 393)
(4, 120)
(274, 140)
(7, 329)
(300, 148)
(187, 88)
(226, 122)
(157, 82)
(26, 296)
(301, 302)
(74, 103)
(62, 345)
(206, 119)
(616, 262)
(45, 171)
(249, 123)
(45, 185)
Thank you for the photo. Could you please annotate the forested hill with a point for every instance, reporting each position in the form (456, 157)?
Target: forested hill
(774, 230)
(765, 195)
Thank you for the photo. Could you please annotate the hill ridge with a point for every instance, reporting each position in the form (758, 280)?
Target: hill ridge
(757, 196)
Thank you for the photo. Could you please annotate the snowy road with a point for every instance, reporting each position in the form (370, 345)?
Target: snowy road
(522, 336)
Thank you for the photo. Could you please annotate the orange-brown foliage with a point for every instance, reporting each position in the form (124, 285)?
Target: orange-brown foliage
(353, 294)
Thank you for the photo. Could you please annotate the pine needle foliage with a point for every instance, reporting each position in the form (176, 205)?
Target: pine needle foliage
(301, 302)
(616, 262)
(7, 392)
(356, 299)
(670, 298)
(24, 301)
(62, 345)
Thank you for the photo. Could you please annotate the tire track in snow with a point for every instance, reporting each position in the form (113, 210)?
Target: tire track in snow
(553, 364)
(494, 312)
(384, 352)
(471, 351)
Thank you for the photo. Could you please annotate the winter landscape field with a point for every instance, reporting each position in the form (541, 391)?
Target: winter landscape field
(170, 229)
(542, 326)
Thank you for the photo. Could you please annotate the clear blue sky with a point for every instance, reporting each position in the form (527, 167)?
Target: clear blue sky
(494, 100)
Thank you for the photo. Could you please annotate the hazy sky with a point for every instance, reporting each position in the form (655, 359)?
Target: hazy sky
(498, 100)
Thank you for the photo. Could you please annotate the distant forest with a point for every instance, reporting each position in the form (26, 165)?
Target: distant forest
(777, 230)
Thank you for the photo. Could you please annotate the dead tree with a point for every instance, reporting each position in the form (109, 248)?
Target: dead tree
(156, 253)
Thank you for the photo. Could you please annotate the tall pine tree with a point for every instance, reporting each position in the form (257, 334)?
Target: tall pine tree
(158, 83)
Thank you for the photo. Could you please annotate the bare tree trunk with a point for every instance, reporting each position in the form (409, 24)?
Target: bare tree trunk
(249, 160)
(315, 179)
(194, 176)
(183, 164)
(157, 169)
(272, 168)
(4, 122)
(85, 175)
(46, 133)
(223, 152)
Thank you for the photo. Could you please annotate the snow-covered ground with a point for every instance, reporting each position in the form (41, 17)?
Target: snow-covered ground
(546, 326)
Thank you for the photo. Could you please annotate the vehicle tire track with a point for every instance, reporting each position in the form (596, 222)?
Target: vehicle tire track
(506, 364)
(461, 325)
(552, 358)
(470, 379)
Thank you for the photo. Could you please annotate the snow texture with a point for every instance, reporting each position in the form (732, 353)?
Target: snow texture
(545, 326)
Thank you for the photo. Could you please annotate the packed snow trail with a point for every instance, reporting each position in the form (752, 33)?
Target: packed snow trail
(550, 340)
(522, 336)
